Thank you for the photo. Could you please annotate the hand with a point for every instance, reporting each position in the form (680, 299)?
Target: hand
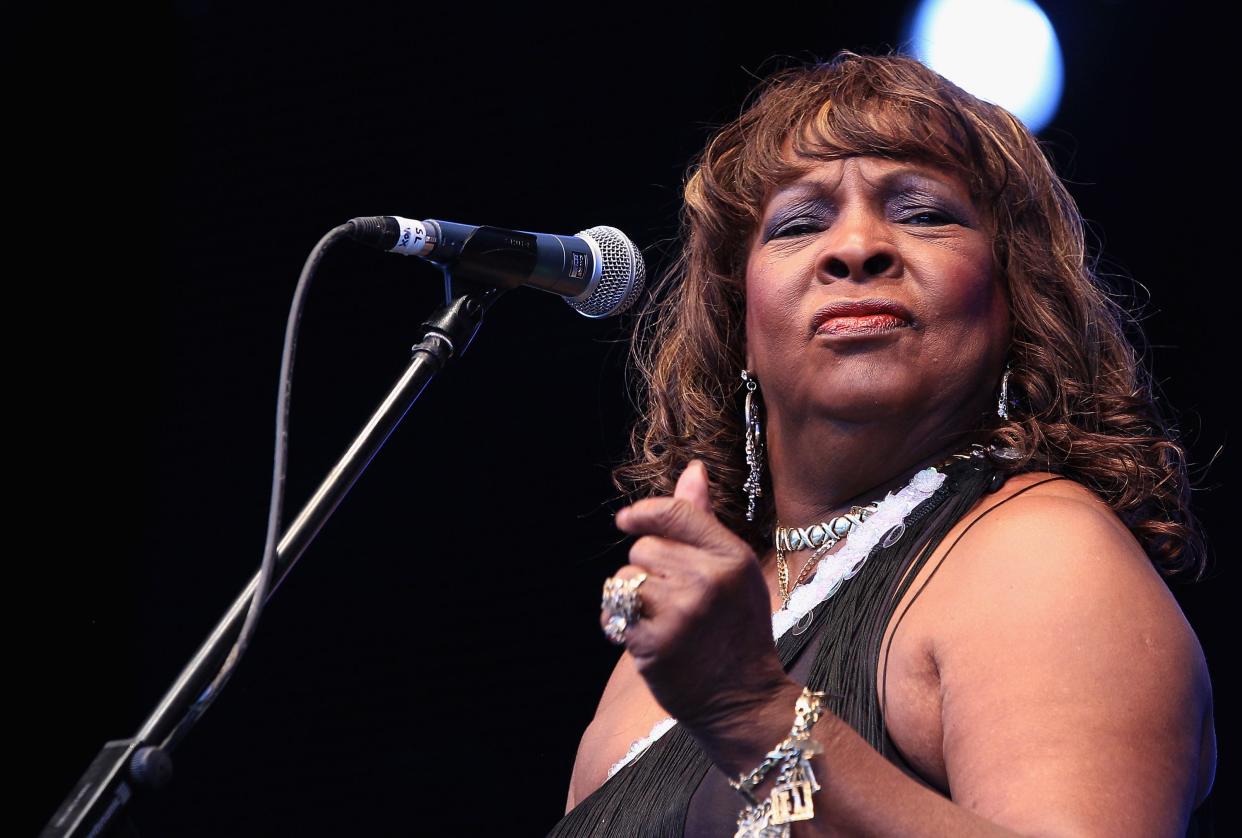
(704, 641)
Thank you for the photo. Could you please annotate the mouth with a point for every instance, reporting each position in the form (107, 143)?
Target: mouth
(860, 318)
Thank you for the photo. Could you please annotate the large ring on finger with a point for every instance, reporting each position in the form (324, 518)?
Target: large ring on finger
(622, 604)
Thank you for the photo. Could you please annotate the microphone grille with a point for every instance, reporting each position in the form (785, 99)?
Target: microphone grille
(622, 275)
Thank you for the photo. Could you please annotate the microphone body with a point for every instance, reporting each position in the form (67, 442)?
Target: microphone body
(599, 272)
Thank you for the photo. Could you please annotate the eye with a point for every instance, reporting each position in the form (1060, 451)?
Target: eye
(797, 228)
(929, 218)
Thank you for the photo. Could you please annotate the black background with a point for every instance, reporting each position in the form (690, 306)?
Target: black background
(436, 654)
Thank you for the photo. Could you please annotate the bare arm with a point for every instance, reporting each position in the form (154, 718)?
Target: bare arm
(1074, 696)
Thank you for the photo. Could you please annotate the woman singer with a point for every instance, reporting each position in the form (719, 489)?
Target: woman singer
(893, 423)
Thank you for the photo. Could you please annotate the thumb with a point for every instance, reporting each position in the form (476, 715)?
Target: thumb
(693, 486)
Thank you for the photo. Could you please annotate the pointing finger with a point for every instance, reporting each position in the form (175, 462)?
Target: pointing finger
(677, 519)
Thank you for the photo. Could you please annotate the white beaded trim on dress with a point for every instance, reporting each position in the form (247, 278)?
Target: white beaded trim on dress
(831, 572)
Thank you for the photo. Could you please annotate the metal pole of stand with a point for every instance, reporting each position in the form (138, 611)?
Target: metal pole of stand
(144, 761)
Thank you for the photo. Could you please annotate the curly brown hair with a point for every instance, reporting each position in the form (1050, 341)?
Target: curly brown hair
(1085, 403)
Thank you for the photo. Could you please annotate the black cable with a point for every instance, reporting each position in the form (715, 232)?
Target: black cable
(276, 504)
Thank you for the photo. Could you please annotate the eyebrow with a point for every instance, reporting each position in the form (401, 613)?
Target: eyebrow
(902, 179)
(806, 190)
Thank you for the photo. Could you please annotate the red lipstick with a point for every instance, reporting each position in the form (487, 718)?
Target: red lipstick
(860, 318)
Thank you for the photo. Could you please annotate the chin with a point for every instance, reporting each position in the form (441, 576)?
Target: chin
(867, 405)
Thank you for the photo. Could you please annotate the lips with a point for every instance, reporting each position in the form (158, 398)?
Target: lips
(860, 317)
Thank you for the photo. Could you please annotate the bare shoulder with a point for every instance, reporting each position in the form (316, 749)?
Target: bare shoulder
(1048, 548)
(1040, 523)
(1066, 669)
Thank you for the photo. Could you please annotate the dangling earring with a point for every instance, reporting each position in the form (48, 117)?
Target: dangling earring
(1002, 404)
(754, 445)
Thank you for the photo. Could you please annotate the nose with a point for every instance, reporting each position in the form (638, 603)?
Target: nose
(858, 247)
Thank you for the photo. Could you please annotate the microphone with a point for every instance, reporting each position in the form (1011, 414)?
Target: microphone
(599, 272)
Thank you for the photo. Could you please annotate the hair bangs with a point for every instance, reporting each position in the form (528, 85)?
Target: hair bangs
(857, 115)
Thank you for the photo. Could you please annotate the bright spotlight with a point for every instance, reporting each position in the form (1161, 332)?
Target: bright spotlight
(1004, 51)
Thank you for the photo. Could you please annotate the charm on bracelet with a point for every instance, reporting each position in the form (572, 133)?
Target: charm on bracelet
(791, 799)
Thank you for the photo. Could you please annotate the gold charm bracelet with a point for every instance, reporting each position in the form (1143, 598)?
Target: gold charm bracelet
(791, 798)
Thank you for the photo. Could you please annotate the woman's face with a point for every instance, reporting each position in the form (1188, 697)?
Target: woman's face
(871, 294)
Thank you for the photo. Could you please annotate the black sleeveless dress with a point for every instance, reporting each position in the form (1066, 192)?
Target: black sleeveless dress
(673, 790)
(714, 805)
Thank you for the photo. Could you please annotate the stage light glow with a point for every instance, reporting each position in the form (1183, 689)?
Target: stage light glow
(1004, 51)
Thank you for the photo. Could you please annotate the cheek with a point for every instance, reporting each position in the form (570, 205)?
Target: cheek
(972, 310)
(967, 293)
(772, 311)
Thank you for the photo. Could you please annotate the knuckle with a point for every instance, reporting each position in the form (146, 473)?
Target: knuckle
(679, 512)
(739, 556)
(664, 513)
(644, 550)
(625, 572)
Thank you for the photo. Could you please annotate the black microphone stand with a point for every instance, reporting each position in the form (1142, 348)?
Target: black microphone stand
(143, 761)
